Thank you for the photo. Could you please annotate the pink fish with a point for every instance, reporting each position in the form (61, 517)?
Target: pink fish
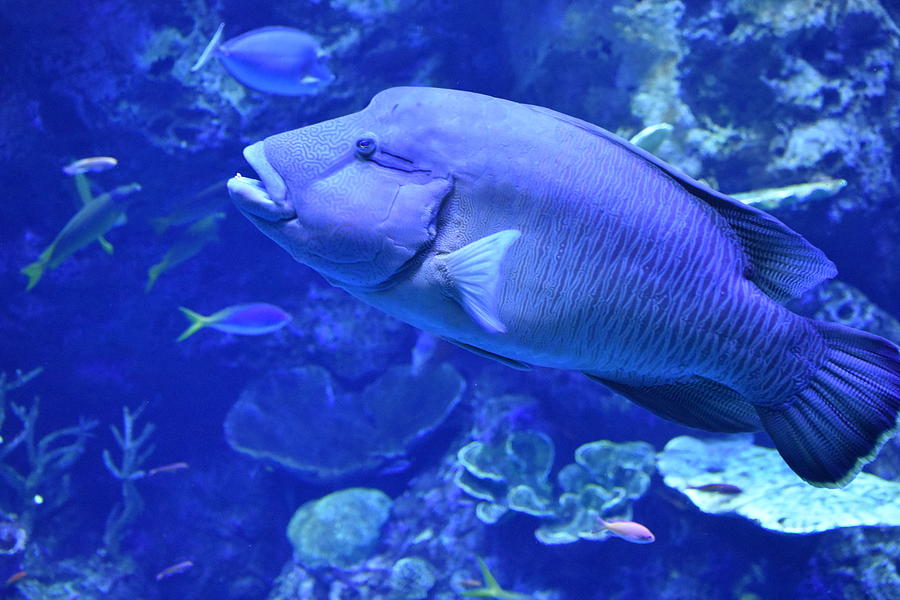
(629, 531)
(178, 466)
(174, 569)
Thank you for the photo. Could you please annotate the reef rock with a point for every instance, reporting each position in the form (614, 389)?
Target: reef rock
(301, 420)
(768, 492)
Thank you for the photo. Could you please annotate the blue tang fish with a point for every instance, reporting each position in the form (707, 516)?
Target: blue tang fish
(278, 60)
(257, 318)
(534, 238)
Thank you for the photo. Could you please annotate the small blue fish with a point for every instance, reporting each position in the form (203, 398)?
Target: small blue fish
(93, 164)
(277, 60)
(242, 319)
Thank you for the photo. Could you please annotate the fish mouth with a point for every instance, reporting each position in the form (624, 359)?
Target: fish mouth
(263, 199)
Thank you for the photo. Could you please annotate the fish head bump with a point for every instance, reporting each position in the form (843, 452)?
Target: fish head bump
(358, 198)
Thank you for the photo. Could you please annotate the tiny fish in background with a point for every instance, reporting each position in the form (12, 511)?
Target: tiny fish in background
(489, 588)
(87, 225)
(187, 246)
(175, 569)
(93, 164)
(16, 577)
(629, 531)
(170, 468)
(208, 201)
(242, 319)
(718, 488)
(277, 60)
(651, 138)
(791, 195)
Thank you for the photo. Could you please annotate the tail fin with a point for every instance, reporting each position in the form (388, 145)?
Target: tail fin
(198, 322)
(210, 48)
(846, 413)
(34, 272)
(153, 274)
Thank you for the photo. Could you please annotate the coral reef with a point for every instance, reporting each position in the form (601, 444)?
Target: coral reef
(840, 302)
(807, 71)
(761, 94)
(339, 530)
(411, 578)
(44, 483)
(301, 420)
(768, 492)
(431, 529)
(512, 475)
(136, 449)
(603, 482)
(867, 555)
(350, 339)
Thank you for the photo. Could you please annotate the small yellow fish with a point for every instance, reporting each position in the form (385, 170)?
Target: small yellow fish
(491, 589)
(187, 246)
(256, 318)
(86, 226)
(93, 164)
(629, 531)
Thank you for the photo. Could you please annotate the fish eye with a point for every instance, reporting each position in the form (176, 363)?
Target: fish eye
(365, 146)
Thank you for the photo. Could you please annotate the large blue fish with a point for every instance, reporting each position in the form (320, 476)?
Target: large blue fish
(278, 60)
(535, 238)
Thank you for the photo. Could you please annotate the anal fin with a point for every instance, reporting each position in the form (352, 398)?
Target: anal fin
(696, 402)
(509, 362)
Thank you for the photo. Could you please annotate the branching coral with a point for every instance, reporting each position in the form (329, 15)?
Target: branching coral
(135, 452)
(45, 483)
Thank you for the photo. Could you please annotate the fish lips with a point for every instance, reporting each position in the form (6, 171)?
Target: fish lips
(263, 199)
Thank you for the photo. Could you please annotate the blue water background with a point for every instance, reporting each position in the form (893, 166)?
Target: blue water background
(77, 81)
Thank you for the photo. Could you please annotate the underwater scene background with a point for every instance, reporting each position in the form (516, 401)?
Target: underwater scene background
(341, 454)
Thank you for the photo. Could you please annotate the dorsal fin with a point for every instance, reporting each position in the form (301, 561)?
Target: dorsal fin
(781, 262)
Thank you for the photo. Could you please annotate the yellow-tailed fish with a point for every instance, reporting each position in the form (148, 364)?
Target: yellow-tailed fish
(207, 201)
(187, 246)
(490, 588)
(257, 318)
(87, 225)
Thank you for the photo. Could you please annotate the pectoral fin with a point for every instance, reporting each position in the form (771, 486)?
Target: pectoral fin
(104, 243)
(474, 271)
